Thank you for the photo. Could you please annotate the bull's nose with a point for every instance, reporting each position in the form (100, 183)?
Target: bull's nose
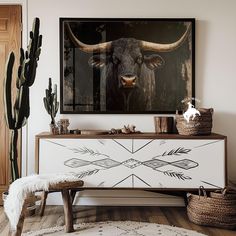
(128, 81)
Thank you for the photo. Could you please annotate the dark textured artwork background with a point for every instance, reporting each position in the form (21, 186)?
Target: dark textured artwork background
(81, 83)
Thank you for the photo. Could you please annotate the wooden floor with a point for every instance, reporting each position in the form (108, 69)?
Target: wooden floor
(169, 216)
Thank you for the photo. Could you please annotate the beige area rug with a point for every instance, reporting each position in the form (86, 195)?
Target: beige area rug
(117, 228)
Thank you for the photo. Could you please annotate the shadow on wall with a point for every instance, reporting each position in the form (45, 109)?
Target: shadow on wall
(202, 32)
(224, 123)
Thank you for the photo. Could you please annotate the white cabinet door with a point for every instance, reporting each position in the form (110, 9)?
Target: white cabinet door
(137, 163)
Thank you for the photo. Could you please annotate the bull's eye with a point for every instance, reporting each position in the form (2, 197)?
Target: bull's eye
(115, 60)
(139, 59)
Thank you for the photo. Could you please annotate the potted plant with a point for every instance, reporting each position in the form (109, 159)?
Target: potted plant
(51, 105)
(17, 111)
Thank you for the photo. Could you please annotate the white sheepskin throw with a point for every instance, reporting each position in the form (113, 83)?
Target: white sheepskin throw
(20, 188)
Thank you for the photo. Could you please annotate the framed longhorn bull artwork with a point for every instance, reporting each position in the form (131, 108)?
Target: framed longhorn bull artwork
(126, 65)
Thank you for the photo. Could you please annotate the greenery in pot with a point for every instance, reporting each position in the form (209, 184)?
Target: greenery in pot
(50, 101)
(17, 111)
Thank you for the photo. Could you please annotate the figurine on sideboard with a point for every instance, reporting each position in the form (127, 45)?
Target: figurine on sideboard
(127, 129)
(63, 125)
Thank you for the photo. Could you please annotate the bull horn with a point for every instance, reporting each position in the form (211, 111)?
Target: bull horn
(159, 47)
(100, 47)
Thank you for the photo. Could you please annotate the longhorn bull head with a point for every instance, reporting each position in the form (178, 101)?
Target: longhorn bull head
(128, 66)
(144, 45)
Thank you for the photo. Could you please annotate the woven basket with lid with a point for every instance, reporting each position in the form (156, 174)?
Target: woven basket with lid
(218, 209)
(200, 125)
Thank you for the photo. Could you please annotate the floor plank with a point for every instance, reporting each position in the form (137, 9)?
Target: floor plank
(163, 215)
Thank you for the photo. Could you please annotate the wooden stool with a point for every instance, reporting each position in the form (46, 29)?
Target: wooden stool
(64, 188)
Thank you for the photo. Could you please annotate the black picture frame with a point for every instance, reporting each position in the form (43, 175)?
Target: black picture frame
(175, 82)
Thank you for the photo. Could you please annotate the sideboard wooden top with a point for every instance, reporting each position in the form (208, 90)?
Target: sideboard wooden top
(128, 136)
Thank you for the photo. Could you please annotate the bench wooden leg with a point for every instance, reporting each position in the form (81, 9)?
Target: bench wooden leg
(43, 203)
(20, 224)
(72, 195)
(67, 210)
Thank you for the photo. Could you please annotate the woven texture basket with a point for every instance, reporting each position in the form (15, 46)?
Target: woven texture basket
(200, 125)
(218, 209)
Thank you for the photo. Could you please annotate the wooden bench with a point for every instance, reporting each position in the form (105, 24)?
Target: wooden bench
(65, 188)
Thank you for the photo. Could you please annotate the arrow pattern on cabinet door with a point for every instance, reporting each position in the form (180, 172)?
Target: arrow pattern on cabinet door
(132, 178)
(174, 174)
(107, 163)
(175, 152)
(131, 149)
(89, 151)
(85, 173)
(131, 163)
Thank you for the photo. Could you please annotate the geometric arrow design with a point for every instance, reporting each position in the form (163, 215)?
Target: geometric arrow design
(131, 163)
(131, 146)
(183, 164)
(132, 180)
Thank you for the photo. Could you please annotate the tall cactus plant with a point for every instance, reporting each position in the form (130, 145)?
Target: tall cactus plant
(50, 101)
(17, 111)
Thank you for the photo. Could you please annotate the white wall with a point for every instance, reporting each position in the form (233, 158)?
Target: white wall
(215, 60)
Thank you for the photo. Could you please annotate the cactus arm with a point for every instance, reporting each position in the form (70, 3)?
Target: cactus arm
(20, 68)
(32, 72)
(14, 154)
(7, 91)
(40, 41)
(34, 51)
(50, 85)
(45, 102)
(22, 107)
(55, 92)
(24, 73)
(57, 107)
(27, 108)
(34, 35)
(22, 55)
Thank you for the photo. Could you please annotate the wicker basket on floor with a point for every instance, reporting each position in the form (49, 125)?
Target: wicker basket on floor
(200, 125)
(218, 209)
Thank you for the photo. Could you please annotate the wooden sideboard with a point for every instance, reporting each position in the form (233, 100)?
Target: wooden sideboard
(137, 161)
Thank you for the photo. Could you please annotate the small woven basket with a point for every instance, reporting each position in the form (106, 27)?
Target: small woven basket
(218, 209)
(200, 125)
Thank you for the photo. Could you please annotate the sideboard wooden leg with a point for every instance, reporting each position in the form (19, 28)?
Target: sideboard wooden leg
(185, 197)
(67, 210)
(43, 203)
